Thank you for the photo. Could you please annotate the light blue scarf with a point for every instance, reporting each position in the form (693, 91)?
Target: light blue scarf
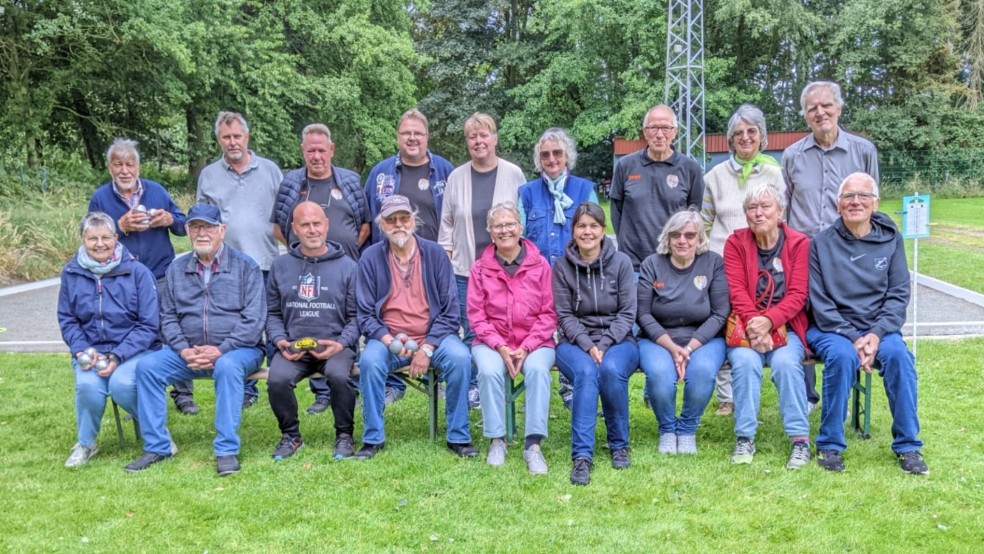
(561, 200)
(99, 268)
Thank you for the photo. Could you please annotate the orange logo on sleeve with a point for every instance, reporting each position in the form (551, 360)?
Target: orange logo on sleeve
(633, 177)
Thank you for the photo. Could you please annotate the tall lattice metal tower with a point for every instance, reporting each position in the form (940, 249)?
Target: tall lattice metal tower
(685, 73)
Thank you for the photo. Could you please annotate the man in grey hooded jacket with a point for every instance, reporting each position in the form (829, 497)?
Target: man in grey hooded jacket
(859, 293)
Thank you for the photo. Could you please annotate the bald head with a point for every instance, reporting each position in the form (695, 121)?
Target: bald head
(310, 225)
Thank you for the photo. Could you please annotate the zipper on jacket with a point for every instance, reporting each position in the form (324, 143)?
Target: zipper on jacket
(102, 319)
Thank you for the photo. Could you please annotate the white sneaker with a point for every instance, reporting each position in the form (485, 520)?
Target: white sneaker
(535, 462)
(497, 453)
(668, 443)
(686, 444)
(80, 455)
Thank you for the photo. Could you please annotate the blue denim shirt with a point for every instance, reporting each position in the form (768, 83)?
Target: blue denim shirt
(536, 206)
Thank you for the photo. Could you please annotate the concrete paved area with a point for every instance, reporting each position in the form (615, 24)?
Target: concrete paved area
(29, 321)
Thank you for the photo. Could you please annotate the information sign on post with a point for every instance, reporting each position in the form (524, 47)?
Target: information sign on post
(915, 225)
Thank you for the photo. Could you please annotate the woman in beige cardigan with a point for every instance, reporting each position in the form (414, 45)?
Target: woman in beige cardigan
(724, 191)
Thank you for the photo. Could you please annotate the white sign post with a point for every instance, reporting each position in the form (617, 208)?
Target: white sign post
(915, 225)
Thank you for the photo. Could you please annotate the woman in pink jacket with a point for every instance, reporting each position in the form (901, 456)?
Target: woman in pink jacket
(510, 309)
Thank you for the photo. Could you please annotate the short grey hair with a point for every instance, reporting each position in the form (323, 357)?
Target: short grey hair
(226, 118)
(509, 207)
(761, 191)
(833, 87)
(316, 129)
(751, 115)
(656, 107)
(676, 223)
(416, 114)
(122, 148)
(561, 137)
(859, 175)
(93, 220)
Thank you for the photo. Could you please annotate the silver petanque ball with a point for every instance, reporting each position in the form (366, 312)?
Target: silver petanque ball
(411, 345)
(102, 363)
(152, 212)
(396, 346)
(402, 337)
(140, 209)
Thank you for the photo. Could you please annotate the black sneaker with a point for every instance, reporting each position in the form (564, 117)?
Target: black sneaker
(465, 450)
(185, 403)
(830, 460)
(581, 472)
(227, 465)
(912, 462)
(368, 450)
(287, 446)
(321, 404)
(620, 458)
(145, 460)
(249, 400)
(344, 446)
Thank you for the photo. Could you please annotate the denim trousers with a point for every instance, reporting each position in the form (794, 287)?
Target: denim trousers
(610, 380)
(91, 391)
(492, 377)
(158, 370)
(897, 368)
(787, 374)
(452, 361)
(698, 384)
(286, 374)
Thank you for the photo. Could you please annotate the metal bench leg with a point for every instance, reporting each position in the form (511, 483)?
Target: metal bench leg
(515, 391)
(432, 399)
(861, 410)
(119, 424)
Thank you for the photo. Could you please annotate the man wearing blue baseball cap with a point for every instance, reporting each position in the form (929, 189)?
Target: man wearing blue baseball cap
(212, 314)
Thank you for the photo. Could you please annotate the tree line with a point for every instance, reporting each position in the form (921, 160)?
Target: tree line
(76, 73)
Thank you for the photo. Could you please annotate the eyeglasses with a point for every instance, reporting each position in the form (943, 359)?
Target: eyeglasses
(852, 196)
(394, 219)
(689, 235)
(751, 132)
(412, 134)
(199, 229)
(547, 154)
(655, 129)
(505, 227)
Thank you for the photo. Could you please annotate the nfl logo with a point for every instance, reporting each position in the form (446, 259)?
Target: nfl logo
(309, 287)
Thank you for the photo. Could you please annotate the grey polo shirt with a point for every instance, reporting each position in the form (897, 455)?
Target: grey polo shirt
(246, 201)
(645, 193)
(813, 175)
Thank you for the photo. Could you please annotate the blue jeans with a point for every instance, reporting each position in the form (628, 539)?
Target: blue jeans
(91, 391)
(787, 374)
(661, 384)
(453, 363)
(466, 332)
(610, 380)
(898, 370)
(164, 367)
(492, 377)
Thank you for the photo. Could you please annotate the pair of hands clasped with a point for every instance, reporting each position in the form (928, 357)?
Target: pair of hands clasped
(201, 358)
(514, 359)
(759, 332)
(867, 348)
(134, 222)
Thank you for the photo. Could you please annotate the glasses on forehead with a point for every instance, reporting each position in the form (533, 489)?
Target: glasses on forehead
(547, 154)
(511, 226)
(689, 235)
(862, 196)
(394, 219)
(412, 134)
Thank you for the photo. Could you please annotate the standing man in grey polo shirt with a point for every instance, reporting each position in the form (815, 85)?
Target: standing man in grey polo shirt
(243, 186)
(816, 165)
(651, 185)
(814, 168)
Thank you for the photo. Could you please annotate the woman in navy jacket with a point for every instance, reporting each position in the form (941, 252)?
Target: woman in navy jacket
(107, 302)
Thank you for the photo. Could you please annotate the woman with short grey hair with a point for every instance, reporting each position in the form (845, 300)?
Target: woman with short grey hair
(108, 315)
(683, 304)
(724, 189)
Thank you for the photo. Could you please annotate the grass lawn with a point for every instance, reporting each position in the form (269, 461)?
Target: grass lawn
(954, 251)
(415, 496)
